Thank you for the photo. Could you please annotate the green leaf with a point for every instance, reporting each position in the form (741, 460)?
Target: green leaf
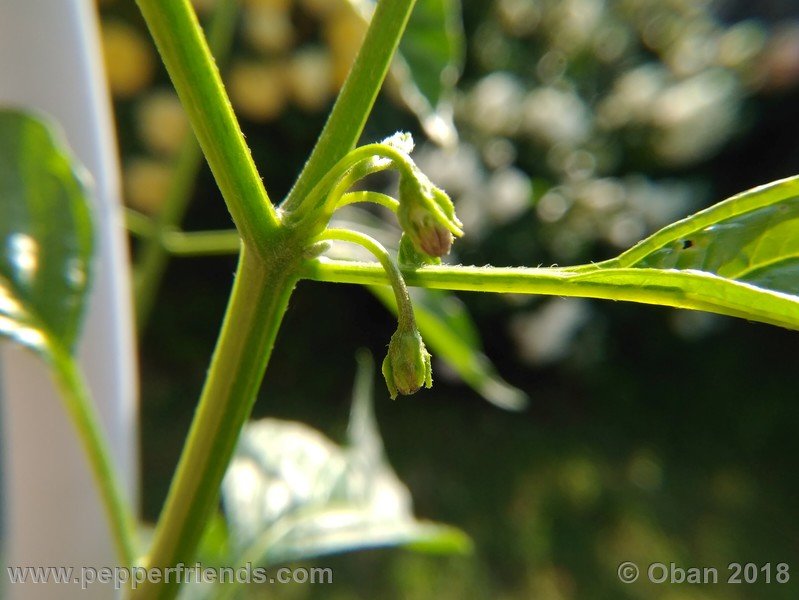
(445, 324)
(739, 257)
(45, 255)
(752, 237)
(45, 236)
(290, 493)
(690, 289)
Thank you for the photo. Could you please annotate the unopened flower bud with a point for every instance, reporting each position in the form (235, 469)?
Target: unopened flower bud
(409, 256)
(407, 366)
(426, 233)
(426, 215)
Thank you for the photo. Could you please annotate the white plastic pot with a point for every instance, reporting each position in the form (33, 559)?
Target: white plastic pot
(52, 514)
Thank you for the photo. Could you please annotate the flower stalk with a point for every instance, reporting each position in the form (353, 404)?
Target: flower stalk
(407, 366)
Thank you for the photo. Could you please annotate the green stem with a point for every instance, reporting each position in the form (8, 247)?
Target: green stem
(260, 295)
(693, 290)
(187, 243)
(202, 243)
(138, 224)
(346, 121)
(374, 197)
(390, 268)
(323, 198)
(191, 66)
(268, 263)
(81, 411)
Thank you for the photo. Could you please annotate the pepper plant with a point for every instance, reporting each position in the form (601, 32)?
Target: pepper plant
(738, 258)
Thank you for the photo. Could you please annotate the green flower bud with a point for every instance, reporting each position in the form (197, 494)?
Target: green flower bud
(408, 255)
(401, 140)
(407, 367)
(427, 235)
(427, 215)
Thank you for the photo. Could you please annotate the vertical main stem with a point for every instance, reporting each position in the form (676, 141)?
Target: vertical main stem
(152, 257)
(269, 264)
(191, 66)
(260, 295)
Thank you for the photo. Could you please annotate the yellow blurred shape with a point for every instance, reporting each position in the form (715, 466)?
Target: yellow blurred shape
(147, 183)
(162, 123)
(129, 59)
(268, 29)
(258, 89)
(310, 78)
(344, 32)
(280, 5)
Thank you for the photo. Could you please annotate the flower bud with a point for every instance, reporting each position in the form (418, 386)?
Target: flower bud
(401, 140)
(409, 256)
(426, 215)
(407, 366)
(426, 233)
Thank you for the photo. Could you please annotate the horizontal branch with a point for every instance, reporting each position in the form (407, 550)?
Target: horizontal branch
(202, 243)
(694, 290)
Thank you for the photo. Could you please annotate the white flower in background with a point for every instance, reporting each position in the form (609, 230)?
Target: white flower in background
(494, 104)
(553, 115)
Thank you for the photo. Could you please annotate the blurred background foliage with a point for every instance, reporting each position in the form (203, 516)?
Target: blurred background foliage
(652, 434)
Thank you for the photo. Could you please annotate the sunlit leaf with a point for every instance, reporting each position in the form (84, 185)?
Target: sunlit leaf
(444, 322)
(739, 257)
(45, 236)
(752, 237)
(291, 493)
